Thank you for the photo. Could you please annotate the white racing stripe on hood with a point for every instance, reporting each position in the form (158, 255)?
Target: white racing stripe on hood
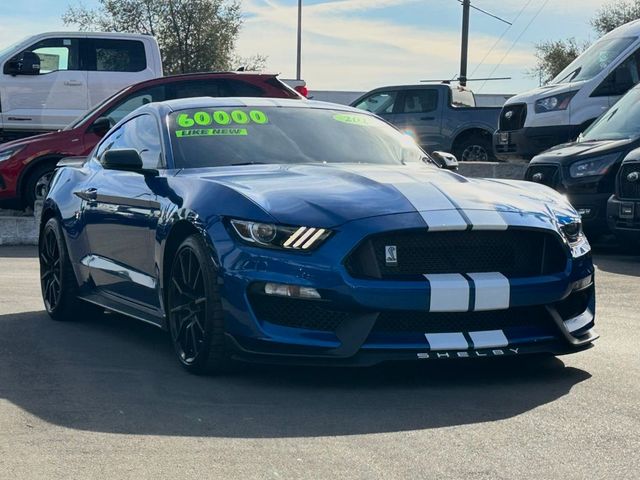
(493, 291)
(449, 292)
(447, 341)
(436, 209)
(489, 339)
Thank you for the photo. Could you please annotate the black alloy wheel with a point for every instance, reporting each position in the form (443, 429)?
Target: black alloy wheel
(50, 270)
(196, 320)
(57, 279)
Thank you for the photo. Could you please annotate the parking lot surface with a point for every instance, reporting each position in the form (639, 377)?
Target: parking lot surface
(104, 397)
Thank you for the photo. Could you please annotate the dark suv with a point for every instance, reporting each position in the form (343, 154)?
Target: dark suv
(623, 208)
(26, 165)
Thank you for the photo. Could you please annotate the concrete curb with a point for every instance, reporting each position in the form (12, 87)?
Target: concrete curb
(20, 230)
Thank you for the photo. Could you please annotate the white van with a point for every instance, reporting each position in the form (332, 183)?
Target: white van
(49, 79)
(558, 112)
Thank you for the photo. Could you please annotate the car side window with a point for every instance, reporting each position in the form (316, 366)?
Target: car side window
(379, 103)
(110, 55)
(420, 101)
(57, 54)
(133, 101)
(140, 133)
(621, 79)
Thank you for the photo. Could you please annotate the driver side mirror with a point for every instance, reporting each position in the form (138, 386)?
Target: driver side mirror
(127, 159)
(444, 160)
(27, 63)
(101, 126)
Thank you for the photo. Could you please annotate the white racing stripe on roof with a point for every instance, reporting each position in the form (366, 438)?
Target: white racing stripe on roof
(493, 291)
(447, 341)
(489, 339)
(449, 292)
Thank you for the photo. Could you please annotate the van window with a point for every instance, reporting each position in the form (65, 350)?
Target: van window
(594, 60)
(57, 54)
(105, 55)
(621, 79)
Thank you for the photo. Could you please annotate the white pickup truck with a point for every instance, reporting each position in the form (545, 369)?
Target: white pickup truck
(49, 79)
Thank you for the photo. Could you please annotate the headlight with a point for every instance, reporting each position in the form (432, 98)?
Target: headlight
(572, 232)
(8, 153)
(279, 236)
(593, 167)
(554, 103)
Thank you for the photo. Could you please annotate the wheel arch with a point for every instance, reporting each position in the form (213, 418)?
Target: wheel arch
(178, 232)
(31, 166)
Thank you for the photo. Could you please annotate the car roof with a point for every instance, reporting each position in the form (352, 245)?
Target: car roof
(225, 102)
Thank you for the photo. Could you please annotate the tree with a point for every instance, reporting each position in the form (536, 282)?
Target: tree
(615, 14)
(553, 56)
(193, 35)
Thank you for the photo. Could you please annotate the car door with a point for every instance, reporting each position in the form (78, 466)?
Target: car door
(419, 114)
(382, 103)
(52, 99)
(120, 212)
(113, 64)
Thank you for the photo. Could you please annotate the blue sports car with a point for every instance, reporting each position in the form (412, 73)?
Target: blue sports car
(287, 231)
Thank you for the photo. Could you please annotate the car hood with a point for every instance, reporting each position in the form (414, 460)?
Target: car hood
(569, 152)
(545, 91)
(38, 140)
(330, 195)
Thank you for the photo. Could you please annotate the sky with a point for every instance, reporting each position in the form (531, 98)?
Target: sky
(362, 44)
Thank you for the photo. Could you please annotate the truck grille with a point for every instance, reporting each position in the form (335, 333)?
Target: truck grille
(513, 117)
(514, 253)
(628, 184)
(548, 175)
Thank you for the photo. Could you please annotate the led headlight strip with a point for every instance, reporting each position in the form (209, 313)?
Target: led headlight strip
(304, 238)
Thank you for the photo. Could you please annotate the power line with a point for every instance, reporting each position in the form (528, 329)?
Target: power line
(544, 4)
(501, 37)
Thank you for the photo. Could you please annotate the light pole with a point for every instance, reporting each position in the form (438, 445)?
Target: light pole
(299, 62)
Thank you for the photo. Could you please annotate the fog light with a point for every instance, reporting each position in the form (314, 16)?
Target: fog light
(296, 291)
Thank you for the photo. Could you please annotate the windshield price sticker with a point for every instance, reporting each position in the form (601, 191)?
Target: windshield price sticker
(222, 118)
(360, 120)
(212, 132)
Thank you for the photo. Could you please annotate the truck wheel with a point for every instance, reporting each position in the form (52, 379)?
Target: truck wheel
(37, 183)
(474, 149)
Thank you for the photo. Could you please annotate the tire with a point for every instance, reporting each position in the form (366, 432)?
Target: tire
(57, 280)
(194, 310)
(37, 183)
(474, 149)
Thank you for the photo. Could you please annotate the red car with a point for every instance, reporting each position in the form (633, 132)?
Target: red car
(26, 165)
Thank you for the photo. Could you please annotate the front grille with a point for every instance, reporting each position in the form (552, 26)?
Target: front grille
(548, 175)
(295, 313)
(437, 322)
(514, 253)
(513, 117)
(629, 188)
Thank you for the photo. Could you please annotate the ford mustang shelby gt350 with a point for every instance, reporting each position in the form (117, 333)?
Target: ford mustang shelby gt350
(278, 230)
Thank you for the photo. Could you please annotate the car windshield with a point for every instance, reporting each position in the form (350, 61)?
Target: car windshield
(594, 60)
(620, 122)
(213, 137)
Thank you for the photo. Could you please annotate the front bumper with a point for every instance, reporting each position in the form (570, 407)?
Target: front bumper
(623, 217)
(357, 321)
(526, 143)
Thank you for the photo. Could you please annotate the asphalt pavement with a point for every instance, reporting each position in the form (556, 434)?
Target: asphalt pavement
(104, 398)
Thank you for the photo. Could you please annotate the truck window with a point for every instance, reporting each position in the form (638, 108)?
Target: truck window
(621, 79)
(420, 101)
(462, 98)
(107, 55)
(56, 54)
(379, 103)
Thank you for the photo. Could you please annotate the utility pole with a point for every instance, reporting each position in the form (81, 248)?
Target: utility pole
(464, 50)
(299, 63)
